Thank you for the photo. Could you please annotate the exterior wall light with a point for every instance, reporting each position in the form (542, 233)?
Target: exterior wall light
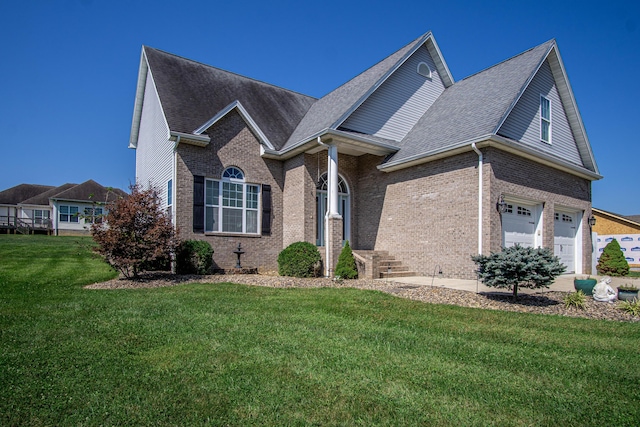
(501, 205)
(592, 221)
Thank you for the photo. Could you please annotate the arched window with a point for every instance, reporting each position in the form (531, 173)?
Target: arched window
(424, 70)
(322, 203)
(231, 205)
(233, 173)
(323, 184)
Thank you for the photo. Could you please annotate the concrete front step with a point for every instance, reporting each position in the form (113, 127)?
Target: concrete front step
(389, 263)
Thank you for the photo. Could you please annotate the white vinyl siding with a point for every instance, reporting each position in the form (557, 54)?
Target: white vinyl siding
(154, 153)
(395, 107)
(523, 124)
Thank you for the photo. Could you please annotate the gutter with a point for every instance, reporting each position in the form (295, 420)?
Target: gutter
(188, 138)
(480, 163)
(500, 143)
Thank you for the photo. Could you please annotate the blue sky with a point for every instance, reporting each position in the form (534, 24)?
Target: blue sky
(68, 68)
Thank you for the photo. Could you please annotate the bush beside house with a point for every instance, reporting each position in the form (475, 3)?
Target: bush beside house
(346, 267)
(300, 259)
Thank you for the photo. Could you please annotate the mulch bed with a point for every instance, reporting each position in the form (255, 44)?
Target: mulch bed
(547, 302)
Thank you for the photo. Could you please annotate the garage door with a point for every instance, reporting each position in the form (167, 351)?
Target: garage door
(518, 225)
(564, 239)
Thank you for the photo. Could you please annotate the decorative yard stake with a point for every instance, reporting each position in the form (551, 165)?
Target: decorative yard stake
(238, 252)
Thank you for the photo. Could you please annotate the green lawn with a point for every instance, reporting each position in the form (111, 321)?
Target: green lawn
(237, 355)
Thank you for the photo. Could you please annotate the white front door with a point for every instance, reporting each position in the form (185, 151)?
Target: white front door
(564, 239)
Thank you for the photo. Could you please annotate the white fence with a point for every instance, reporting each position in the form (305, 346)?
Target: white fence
(629, 243)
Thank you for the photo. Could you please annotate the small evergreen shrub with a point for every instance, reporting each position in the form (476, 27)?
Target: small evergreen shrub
(518, 266)
(575, 299)
(194, 257)
(346, 267)
(612, 262)
(300, 259)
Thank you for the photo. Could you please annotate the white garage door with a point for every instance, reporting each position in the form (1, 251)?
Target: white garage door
(519, 225)
(564, 239)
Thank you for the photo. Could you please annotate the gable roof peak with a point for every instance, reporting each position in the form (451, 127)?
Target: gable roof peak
(330, 111)
(548, 45)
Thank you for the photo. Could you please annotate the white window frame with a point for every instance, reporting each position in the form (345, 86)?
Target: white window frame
(421, 65)
(545, 120)
(221, 198)
(67, 211)
(92, 215)
(43, 217)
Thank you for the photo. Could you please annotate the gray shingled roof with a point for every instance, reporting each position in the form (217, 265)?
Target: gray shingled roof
(90, 191)
(43, 198)
(328, 109)
(634, 218)
(15, 195)
(191, 93)
(473, 107)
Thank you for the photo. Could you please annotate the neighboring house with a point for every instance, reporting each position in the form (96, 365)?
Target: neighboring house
(400, 160)
(625, 229)
(65, 210)
(11, 216)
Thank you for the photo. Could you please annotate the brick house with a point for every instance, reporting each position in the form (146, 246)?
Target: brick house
(399, 160)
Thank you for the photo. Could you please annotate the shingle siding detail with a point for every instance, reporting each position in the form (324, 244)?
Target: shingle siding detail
(523, 123)
(233, 145)
(395, 107)
(154, 153)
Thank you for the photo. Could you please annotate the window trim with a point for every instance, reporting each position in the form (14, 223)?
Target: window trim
(545, 119)
(93, 214)
(428, 68)
(69, 214)
(231, 177)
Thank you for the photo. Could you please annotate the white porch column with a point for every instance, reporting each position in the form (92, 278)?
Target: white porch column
(333, 219)
(332, 174)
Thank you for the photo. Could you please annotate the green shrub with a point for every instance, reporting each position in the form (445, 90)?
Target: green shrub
(518, 266)
(632, 307)
(612, 262)
(575, 299)
(300, 259)
(346, 267)
(194, 257)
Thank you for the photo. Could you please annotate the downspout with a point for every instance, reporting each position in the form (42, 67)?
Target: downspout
(326, 222)
(480, 162)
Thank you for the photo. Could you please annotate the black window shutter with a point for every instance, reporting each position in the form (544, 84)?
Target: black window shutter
(266, 209)
(198, 204)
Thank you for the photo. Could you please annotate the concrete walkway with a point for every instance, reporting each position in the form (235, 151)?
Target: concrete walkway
(563, 283)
